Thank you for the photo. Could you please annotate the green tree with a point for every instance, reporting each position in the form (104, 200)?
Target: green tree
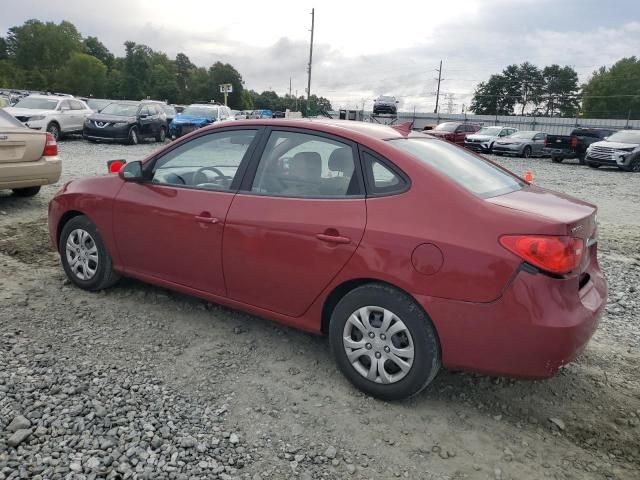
(95, 48)
(183, 68)
(136, 71)
(199, 86)
(560, 91)
(4, 52)
(41, 48)
(220, 73)
(163, 78)
(83, 75)
(614, 92)
(493, 97)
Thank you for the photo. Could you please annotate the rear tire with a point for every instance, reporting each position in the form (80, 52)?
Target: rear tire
(581, 159)
(84, 257)
(133, 136)
(557, 159)
(593, 165)
(26, 191)
(392, 368)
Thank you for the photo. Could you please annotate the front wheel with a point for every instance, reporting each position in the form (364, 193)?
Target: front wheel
(634, 166)
(85, 258)
(54, 129)
(526, 153)
(593, 165)
(133, 136)
(162, 135)
(383, 342)
(557, 159)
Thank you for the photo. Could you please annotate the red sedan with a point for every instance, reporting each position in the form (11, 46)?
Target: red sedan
(407, 251)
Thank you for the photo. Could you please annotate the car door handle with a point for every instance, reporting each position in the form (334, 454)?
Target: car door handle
(211, 220)
(332, 238)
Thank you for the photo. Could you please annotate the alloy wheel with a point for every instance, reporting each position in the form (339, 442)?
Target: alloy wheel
(378, 344)
(82, 254)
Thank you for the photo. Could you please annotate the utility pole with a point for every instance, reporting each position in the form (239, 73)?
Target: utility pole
(289, 86)
(439, 70)
(310, 58)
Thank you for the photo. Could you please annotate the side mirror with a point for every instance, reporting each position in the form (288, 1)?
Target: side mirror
(144, 115)
(131, 172)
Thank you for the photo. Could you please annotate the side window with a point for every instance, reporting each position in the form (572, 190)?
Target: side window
(65, 105)
(209, 161)
(144, 111)
(76, 105)
(539, 136)
(304, 165)
(470, 128)
(381, 179)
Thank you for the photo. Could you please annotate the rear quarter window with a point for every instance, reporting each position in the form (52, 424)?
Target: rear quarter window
(478, 176)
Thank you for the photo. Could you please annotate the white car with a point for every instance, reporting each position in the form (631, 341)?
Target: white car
(482, 140)
(57, 115)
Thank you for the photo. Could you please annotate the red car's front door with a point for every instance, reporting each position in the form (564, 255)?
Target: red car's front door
(302, 221)
(171, 227)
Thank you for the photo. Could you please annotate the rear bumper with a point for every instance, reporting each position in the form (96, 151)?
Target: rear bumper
(536, 327)
(30, 174)
(558, 152)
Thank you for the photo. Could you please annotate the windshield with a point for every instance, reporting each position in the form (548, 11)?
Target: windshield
(97, 105)
(524, 135)
(492, 131)
(386, 99)
(447, 127)
(36, 103)
(209, 113)
(628, 136)
(475, 174)
(121, 109)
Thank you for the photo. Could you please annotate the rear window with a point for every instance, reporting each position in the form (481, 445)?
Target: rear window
(7, 120)
(475, 174)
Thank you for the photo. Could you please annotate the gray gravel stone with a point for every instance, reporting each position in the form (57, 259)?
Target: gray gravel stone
(19, 423)
(18, 437)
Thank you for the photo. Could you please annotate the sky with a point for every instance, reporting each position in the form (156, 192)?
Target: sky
(362, 49)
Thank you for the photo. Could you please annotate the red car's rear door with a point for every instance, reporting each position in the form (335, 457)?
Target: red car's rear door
(171, 227)
(298, 224)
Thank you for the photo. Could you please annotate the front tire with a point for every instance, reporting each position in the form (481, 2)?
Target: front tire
(526, 152)
(26, 191)
(593, 165)
(634, 166)
(54, 129)
(84, 257)
(162, 135)
(383, 342)
(557, 159)
(134, 139)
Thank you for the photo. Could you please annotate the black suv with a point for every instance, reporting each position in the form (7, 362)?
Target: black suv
(127, 122)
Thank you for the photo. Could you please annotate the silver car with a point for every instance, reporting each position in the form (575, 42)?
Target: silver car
(525, 144)
(483, 139)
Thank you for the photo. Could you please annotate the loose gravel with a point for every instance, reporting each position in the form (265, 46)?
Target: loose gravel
(139, 382)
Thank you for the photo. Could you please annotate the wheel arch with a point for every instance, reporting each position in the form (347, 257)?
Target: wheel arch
(347, 286)
(64, 219)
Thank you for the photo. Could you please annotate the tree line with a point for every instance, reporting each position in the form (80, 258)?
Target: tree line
(45, 56)
(555, 91)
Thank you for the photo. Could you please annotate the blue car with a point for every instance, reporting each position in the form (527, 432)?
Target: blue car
(197, 116)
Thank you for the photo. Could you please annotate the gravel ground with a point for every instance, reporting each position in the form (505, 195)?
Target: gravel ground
(140, 382)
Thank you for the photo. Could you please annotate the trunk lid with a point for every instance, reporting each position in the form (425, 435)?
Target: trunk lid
(20, 145)
(573, 217)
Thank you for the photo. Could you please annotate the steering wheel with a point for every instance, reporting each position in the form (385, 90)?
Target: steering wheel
(215, 170)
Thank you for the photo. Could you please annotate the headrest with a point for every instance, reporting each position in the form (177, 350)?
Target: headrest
(341, 160)
(306, 165)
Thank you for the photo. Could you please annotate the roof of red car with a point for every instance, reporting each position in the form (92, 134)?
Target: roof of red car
(378, 131)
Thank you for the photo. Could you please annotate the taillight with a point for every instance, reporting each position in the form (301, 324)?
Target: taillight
(50, 146)
(554, 254)
(574, 141)
(546, 141)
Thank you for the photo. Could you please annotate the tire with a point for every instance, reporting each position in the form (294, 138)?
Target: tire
(581, 159)
(134, 138)
(557, 159)
(81, 240)
(526, 152)
(634, 166)
(54, 129)
(414, 330)
(593, 165)
(26, 191)
(162, 135)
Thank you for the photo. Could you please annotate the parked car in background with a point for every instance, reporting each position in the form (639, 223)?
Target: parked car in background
(197, 116)
(171, 113)
(55, 114)
(621, 149)
(523, 143)
(385, 104)
(511, 265)
(127, 122)
(28, 158)
(574, 145)
(278, 114)
(97, 104)
(454, 132)
(264, 113)
(241, 114)
(482, 140)
(4, 102)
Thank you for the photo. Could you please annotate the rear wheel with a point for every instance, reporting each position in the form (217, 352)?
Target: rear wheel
(581, 159)
(557, 159)
(85, 258)
(133, 136)
(593, 165)
(383, 342)
(26, 192)
(54, 129)
(526, 153)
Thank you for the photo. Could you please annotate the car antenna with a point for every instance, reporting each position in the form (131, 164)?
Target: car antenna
(404, 128)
